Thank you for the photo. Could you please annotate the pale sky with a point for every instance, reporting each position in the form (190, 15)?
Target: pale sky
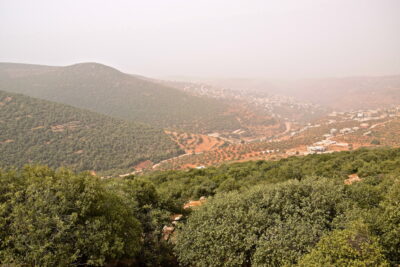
(208, 38)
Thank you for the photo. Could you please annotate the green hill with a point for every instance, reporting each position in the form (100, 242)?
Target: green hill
(40, 131)
(108, 91)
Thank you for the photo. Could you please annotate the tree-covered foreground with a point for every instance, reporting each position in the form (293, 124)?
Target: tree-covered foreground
(292, 212)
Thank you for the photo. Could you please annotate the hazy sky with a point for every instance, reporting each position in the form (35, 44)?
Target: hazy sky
(253, 38)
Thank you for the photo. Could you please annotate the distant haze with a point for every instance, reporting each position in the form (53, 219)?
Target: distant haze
(208, 38)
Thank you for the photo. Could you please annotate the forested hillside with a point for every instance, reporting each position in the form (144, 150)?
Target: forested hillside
(106, 90)
(40, 131)
(300, 211)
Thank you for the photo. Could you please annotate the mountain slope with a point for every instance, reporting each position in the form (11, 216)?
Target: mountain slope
(106, 90)
(34, 130)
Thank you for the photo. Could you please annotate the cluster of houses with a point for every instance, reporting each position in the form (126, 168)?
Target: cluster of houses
(322, 146)
(316, 149)
(270, 151)
(368, 115)
(268, 101)
(333, 132)
(361, 116)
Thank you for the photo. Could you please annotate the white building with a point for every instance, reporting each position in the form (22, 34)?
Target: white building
(315, 149)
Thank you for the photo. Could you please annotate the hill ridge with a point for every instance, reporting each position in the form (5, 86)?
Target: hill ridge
(106, 90)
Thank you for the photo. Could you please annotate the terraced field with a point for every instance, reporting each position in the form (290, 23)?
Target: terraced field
(196, 143)
(379, 132)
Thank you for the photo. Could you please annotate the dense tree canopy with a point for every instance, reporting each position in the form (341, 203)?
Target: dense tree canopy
(293, 212)
(354, 246)
(312, 222)
(388, 224)
(59, 218)
(269, 226)
(180, 186)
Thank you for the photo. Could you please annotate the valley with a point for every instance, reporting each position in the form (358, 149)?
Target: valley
(208, 123)
(200, 133)
(339, 131)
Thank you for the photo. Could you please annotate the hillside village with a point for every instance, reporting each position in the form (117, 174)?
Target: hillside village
(280, 106)
(367, 120)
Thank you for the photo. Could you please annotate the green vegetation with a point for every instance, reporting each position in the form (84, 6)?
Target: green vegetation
(354, 246)
(375, 142)
(39, 131)
(184, 185)
(258, 215)
(265, 226)
(58, 218)
(108, 91)
(297, 222)
(293, 212)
